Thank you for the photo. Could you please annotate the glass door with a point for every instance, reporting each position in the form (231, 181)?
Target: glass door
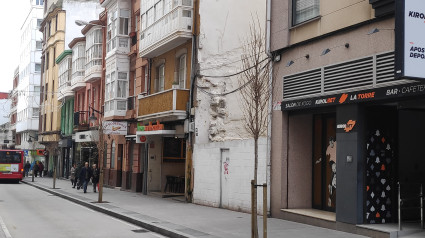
(324, 162)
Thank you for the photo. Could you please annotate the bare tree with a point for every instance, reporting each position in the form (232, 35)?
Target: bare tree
(255, 93)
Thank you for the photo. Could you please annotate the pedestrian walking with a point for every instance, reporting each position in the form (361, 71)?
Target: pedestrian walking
(95, 177)
(40, 169)
(73, 179)
(35, 169)
(77, 176)
(27, 168)
(85, 176)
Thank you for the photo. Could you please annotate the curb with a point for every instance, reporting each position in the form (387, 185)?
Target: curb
(151, 227)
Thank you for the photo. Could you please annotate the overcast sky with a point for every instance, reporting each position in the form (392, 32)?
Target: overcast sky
(12, 16)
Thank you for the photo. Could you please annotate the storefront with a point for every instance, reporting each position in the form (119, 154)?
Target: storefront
(163, 157)
(346, 152)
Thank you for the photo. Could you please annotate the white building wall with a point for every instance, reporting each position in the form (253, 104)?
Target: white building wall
(224, 26)
(228, 188)
(29, 79)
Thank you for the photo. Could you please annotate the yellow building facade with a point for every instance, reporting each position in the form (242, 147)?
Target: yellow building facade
(53, 28)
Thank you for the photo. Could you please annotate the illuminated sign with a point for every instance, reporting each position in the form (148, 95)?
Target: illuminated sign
(158, 126)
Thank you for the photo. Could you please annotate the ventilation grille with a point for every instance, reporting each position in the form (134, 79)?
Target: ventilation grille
(368, 72)
(385, 68)
(302, 84)
(348, 75)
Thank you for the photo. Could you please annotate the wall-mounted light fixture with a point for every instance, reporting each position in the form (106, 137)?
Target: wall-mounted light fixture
(325, 51)
(376, 30)
(289, 63)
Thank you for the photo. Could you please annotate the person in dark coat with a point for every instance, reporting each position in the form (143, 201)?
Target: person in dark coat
(95, 177)
(40, 169)
(27, 168)
(77, 176)
(35, 169)
(85, 176)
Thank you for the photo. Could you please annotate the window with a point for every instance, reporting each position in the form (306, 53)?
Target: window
(122, 85)
(38, 45)
(56, 23)
(124, 15)
(113, 155)
(304, 10)
(47, 61)
(94, 49)
(39, 21)
(35, 112)
(182, 71)
(54, 56)
(159, 81)
(37, 67)
(111, 30)
(78, 60)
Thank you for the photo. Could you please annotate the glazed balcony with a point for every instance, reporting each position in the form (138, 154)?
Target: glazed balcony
(77, 82)
(168, 32)
(168, 105)
(65, 91)
(93, 73)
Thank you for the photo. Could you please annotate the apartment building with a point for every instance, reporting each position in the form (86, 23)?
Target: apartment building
(59, 29)
(166, 42)
(6, 132)
(28, 87)
(345, 126)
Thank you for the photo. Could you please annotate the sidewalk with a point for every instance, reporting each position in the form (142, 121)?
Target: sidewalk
(175, 218)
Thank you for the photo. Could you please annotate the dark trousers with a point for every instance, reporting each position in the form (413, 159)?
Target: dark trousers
(85, 185)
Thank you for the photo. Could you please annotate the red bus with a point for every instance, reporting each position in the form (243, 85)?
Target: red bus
(11, 165)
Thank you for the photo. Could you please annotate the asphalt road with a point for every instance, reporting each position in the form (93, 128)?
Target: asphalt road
(29, 212)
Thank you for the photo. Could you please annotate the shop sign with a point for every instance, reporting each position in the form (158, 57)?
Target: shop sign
(42, 152)
(114, 128)
(141, 139)
(158, 126)
(356, 97)
(410, 39)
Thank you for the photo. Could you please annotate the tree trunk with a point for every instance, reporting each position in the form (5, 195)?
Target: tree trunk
(254, 197)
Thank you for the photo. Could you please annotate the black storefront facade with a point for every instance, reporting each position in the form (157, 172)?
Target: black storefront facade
(363, 143)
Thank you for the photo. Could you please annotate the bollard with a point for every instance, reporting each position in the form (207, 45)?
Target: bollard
(264, 210)
(252, 210)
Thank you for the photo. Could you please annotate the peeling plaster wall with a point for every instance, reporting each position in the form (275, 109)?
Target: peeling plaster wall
(224, 26)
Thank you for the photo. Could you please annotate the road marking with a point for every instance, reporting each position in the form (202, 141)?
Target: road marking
(4, 228)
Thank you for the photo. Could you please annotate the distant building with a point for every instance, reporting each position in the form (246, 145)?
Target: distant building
(5, 103)
(26, 91)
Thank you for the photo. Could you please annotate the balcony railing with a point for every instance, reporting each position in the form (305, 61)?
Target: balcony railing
(171, 30)
(81, 120)
(77, 81)
(65, 91)
(93, 73)
(166, 105)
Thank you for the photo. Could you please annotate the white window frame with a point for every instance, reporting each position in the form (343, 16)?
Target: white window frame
(304, 10)
(78, 60)
(94, 49)
(182, 71)
(160, 78)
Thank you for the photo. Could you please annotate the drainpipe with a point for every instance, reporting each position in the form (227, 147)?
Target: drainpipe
(269, 126)
(193, 72)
